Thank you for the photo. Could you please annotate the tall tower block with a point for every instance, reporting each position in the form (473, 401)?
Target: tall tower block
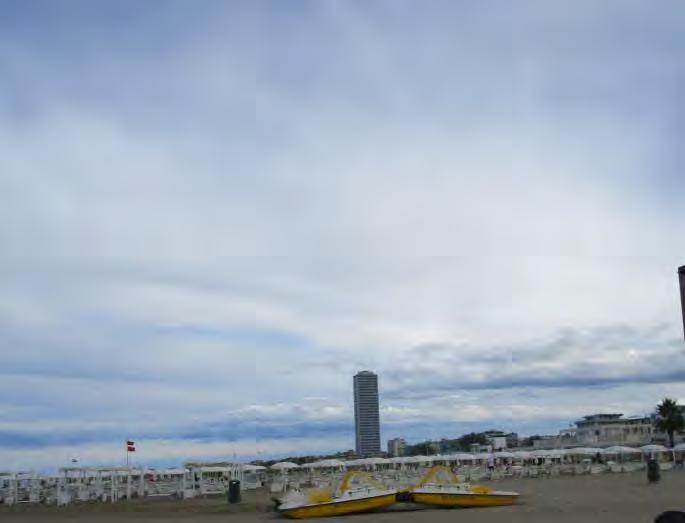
(366, 414)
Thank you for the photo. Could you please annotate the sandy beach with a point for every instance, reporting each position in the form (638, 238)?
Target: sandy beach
(601, 498)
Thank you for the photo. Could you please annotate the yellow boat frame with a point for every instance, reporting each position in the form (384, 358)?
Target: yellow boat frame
(340, 507)
(432, 476)
(476, 496)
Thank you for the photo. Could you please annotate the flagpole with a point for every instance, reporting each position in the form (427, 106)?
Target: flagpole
(130, 447)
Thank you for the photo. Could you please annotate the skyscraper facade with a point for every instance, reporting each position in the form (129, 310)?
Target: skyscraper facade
(366, 414)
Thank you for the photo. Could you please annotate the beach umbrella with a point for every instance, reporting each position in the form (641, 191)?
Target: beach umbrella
(550, 453)
(584, 451)
(315, 464)
(579, 451)
(540, 453)
(679, 447)
(649, 449)
(326, 464)
(621, 450)
(462, 456)
(371, 462)
(284, 465)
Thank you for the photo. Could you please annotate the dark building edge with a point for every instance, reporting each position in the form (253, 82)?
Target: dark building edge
(681, 277)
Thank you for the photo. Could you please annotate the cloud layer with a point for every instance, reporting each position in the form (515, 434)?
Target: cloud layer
(211, 217)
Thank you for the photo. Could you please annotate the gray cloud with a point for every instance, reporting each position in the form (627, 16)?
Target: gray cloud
(602, 356)
(221, 214)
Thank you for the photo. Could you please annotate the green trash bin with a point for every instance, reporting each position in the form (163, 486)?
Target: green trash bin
(653, 471)
(234, 491)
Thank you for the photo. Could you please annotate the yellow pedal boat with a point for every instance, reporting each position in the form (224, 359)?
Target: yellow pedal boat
(358, 492)
(440, 487)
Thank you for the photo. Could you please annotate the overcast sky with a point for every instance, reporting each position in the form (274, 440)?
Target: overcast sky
(213, 213)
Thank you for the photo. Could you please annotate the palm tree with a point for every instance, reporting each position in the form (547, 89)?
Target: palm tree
(669, 418)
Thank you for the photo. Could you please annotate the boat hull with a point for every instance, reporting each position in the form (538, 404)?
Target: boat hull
(465, 500)
(339, 508)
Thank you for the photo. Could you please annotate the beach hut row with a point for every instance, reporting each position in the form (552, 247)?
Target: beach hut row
(403, 471)
(518, 455)
(111, 484)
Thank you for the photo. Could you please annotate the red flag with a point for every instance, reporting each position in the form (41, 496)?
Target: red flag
(130, 443)
(131, 448)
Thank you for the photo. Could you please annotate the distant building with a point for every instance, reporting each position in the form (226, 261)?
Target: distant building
(366, 414)
(499, 440)
(681, 277)
(512, 440)
(601, 430)
(567, 438)
(477, 448)
(546, 442)
(397, 447)
(613, 429)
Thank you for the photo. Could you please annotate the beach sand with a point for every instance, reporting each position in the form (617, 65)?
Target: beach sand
(603, 498)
